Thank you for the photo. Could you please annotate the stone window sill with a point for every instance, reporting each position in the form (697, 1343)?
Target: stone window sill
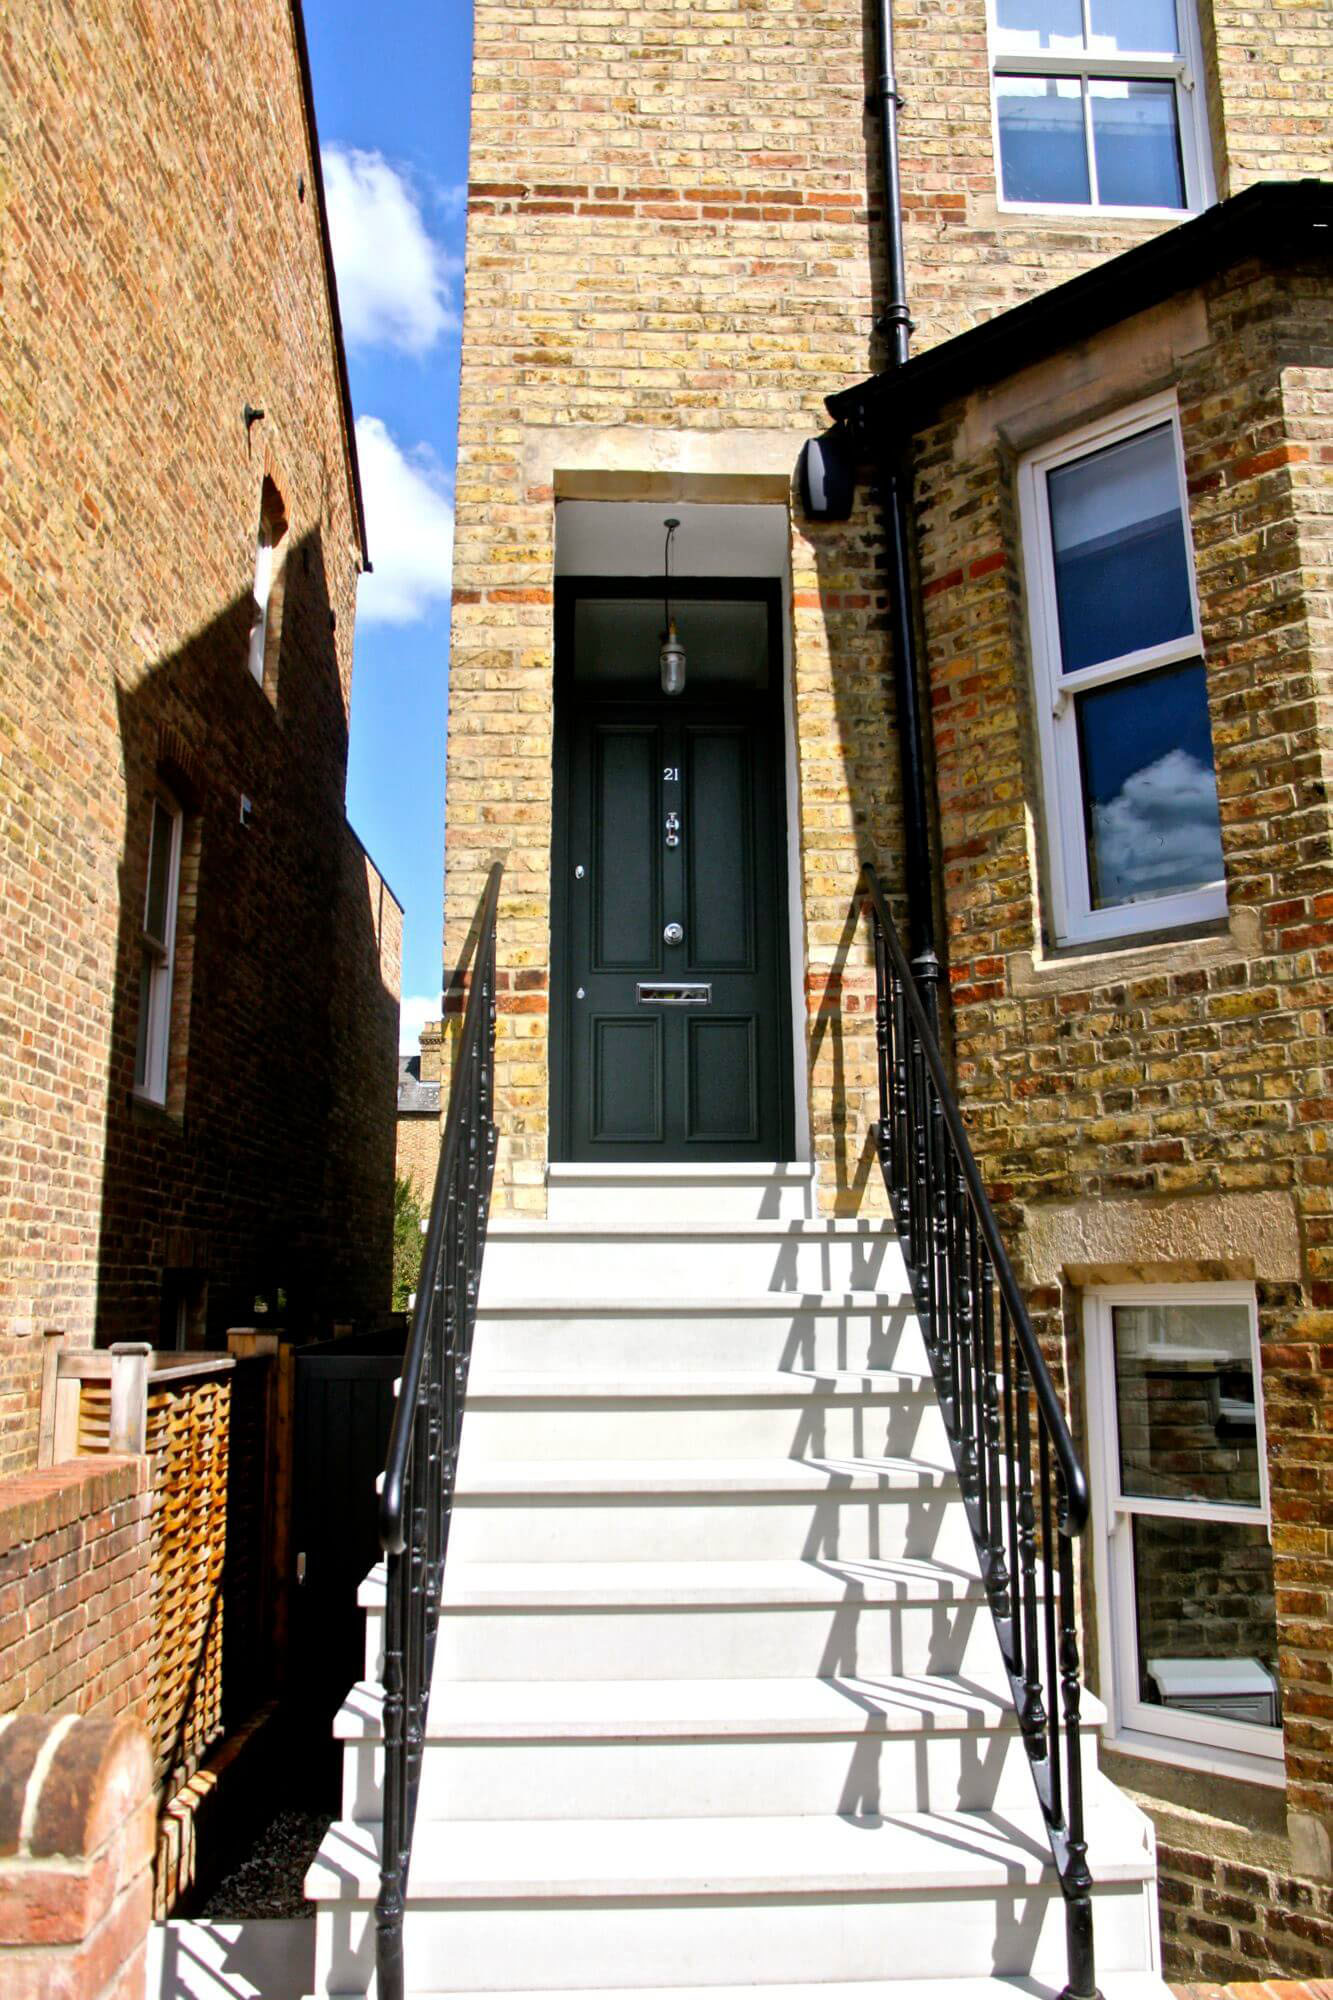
(1074, 968)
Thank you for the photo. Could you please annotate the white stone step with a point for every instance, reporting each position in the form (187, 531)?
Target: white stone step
(262, 1958)
(1114, 1986)
(587, 1903)
(675, 1260)
(766, 1331)
(752, 1415)
(699, 1749)
(744, 1191)
(683, 1620)
(619, 1510)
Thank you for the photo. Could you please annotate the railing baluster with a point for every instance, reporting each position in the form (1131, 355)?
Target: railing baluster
(962, 1286)
(1014, 1656)
(993, 1555)
(995, 1390)
(1032, 1713)
(1055, 1802)
(900, 1193)
(1077, 1882)
(883, 1130)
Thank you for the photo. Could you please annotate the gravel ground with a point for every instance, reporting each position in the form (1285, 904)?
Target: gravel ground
(268, 1881)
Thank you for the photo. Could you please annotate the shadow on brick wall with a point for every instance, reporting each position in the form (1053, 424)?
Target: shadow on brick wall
(261, 1187)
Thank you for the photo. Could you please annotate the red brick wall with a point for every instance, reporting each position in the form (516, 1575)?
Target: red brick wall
(363, 1118)
(75, 1580)
(144, 308)
(77, 1822)
(1224, 1919)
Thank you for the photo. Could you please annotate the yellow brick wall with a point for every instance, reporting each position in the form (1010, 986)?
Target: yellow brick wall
(1161, 1113)
(671, 231)
(418, 1152)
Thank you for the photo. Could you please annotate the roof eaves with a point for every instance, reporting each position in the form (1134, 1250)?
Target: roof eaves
(1274, 219)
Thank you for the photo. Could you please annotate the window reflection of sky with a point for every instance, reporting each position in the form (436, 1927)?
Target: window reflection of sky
(1150, 798)
(1043, 151)
(1121, 573)
(1142, 25)
(1137, 144)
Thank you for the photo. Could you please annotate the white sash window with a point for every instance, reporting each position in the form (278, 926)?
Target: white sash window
(1186, 1611)
(157, 949)
(1097, 105)
(1131, 812)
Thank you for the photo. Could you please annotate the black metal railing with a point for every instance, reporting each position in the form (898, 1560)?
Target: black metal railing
(416, 1496)
(1023, 1485)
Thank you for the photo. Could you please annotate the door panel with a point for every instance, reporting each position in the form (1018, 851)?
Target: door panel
(627, 876)
(626, 1079)
(670, 811)
(719, 863)
(722, 1080)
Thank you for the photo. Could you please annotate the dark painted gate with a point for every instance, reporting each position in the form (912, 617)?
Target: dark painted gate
(343, 1394)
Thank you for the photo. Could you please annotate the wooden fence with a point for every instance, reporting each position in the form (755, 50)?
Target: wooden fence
(216, 1430)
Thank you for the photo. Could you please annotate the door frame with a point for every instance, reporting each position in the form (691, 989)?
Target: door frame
(767, 590)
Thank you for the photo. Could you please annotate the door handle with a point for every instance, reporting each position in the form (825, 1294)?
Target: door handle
(674, 934)
(673, 829)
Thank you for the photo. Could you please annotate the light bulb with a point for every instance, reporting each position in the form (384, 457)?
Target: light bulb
(672, 662)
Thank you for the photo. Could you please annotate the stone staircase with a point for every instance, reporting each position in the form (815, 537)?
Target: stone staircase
(718, 1702)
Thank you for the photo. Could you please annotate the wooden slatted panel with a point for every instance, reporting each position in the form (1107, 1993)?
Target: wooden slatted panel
(188, 1443)
(94, 1417)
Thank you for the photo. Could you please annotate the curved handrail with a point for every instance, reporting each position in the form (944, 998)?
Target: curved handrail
(392, 1536)
(1071, 1469)
(991, 1378)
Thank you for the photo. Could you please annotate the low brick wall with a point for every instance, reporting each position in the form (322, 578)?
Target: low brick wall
(77, 1830)
(75, 1587)
(1226, 1920)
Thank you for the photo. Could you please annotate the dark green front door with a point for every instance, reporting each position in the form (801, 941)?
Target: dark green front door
(670, 911)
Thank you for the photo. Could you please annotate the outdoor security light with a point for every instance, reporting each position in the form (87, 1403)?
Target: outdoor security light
(671, 659)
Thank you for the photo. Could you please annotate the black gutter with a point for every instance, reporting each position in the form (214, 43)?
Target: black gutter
(895, 499)
(1277, 221)
(331, 285)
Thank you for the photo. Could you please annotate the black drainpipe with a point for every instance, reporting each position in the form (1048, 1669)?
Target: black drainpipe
(895, 498)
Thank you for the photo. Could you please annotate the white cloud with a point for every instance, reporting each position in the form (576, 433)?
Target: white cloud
(1159, 833)
(409, 525)
(414, 1010)
(393, 277)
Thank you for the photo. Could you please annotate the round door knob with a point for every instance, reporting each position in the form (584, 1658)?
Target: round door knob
(674, 934)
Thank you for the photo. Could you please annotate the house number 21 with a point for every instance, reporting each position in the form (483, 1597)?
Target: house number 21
(671, 774)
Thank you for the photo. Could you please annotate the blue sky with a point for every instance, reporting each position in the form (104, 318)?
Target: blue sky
(391, 98)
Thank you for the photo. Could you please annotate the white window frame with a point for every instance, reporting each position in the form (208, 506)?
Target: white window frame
(1184, 69)
(1204, 1742)
(1075, 921)
(159, 953)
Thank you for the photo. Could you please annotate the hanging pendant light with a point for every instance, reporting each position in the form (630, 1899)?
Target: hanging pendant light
(671, 659)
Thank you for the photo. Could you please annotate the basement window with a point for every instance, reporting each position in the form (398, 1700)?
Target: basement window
(157, 948)
(1133, 830)
(1096, 105)
(1184, 1559)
